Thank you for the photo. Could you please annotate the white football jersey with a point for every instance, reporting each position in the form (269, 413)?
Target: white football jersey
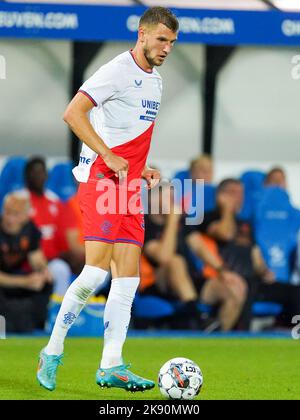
(126, 102)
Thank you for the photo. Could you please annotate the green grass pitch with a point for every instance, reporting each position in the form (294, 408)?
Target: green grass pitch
(233, 368)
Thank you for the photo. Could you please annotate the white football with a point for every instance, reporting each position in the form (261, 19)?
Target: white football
(180, 379)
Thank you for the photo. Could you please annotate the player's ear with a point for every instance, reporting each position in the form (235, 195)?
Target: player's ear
(141, 33)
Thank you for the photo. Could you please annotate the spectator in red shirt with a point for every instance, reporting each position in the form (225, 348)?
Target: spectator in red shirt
(56, 221)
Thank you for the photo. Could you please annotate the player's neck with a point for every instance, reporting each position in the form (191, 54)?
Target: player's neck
(140, 59)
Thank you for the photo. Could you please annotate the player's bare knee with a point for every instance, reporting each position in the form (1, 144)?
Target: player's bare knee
(126, 273)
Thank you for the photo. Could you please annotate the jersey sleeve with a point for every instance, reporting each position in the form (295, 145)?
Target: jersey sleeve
(102, 85)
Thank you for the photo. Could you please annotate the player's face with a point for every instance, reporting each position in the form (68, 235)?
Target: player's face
(157, 42)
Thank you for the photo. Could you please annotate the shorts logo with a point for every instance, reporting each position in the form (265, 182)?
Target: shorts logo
(106, 227)
(100, 175)
(106, 325)
(69, 318)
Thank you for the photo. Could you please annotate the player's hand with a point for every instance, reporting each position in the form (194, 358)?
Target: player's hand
(35, 281)
(152, 176)
(117, 164)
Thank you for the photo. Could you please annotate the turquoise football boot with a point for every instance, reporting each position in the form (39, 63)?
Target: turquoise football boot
(121, 377)
(47, 369)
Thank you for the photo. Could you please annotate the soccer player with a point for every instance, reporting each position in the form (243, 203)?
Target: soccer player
(123, 98)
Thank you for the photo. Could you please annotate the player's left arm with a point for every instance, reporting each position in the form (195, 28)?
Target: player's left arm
(152, 176)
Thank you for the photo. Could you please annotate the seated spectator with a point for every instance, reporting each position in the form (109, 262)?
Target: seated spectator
(202, 168)
(237, 260)
(228, 253)
(57, 222)
(270, 289)
(172, 278)
(276, 177)
(25, 281)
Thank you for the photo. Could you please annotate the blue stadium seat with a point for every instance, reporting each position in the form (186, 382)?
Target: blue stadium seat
(266, 309)
(253, 184)
(253, 180)
(151, 307)
(12, 176)
(182, 175)
(61, 181)
(209, 197)
(275, 231)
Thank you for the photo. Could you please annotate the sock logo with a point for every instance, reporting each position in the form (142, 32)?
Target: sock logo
(106, 325)
(69, 318)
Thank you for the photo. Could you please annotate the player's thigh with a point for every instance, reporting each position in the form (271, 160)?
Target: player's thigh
(98, 254)
(213, 292)
(125, 260)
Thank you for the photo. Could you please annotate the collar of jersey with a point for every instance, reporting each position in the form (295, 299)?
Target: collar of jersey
(133, 57)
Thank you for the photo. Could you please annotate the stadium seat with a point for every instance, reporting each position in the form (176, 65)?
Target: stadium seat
(266, 309)
(253, 180)
(12, 176)
(209, 191)
(61, 181)
(209, 197)
(253, 184)
(182, 175)
(275, 231)
(151, 307)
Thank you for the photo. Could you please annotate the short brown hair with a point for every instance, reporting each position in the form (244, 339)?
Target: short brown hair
(272, 172)
(200, 160)
(224, 184)
(156, 15)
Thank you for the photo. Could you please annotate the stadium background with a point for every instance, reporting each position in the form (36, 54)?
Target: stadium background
(255, 125)
(250, 116)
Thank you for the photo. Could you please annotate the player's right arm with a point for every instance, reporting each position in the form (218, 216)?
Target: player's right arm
(76, 116)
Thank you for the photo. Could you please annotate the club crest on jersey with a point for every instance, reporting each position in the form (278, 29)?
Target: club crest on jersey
(138, 83)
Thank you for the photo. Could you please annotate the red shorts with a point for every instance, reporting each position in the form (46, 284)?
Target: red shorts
(109, 216)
